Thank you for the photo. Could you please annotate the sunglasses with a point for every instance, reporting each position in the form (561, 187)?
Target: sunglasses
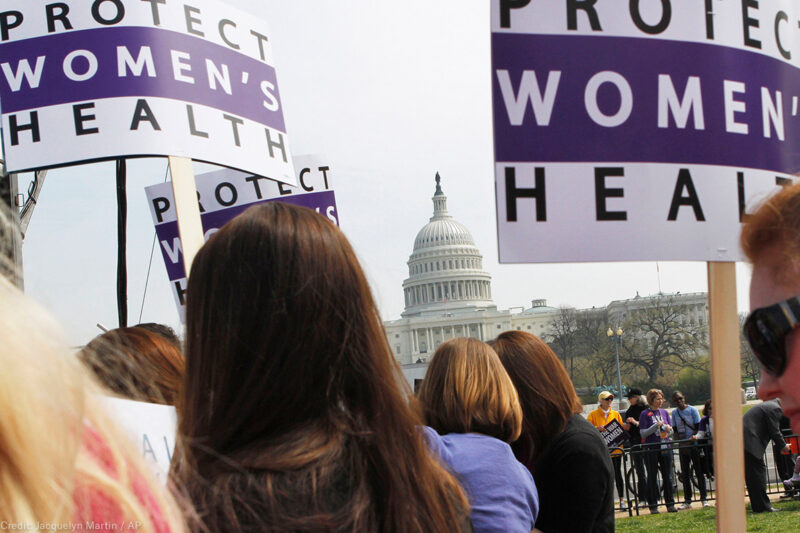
(766, 329)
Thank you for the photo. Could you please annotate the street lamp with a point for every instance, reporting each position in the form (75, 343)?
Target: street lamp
(616, 336)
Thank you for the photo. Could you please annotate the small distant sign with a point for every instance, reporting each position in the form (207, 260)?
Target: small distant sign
(83, 81)
(614, 435)
(222, 195)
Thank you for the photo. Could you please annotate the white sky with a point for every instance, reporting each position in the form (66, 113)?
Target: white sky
(388, 93)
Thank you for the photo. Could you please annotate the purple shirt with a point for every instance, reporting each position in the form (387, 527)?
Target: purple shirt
(647, 419)
(501, 491)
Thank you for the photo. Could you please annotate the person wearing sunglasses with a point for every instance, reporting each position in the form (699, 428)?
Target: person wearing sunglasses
(771, 240)
(601, 417)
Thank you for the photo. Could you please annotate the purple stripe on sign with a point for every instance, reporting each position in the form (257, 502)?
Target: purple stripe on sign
(573, 136)
(245, 74)
(320, 201)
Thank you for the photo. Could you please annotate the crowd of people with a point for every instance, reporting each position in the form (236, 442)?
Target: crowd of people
(648, 442)
(294, 416)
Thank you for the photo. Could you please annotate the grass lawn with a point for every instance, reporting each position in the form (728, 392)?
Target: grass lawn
(704, 520)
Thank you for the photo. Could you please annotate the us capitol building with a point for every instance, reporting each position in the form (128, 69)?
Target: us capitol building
(448, 294)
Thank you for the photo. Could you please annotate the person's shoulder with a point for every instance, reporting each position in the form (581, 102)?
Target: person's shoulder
(436, 443)
(579, 440)
(579, 430)
(476, 444)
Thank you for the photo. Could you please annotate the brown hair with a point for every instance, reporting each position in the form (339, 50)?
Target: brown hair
(546, 393)
(296, 416)
(136, 363)
(467, 390)
(652, 394)
(775, 226)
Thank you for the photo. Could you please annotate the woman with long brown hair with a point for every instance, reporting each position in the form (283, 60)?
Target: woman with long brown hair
(470, 402)
(564, 452)
(293, 413)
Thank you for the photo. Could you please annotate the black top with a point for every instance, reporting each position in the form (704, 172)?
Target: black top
(633, 412)
(575, 482)
(761, 424)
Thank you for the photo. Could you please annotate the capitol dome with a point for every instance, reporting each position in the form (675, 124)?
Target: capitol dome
(446, 268)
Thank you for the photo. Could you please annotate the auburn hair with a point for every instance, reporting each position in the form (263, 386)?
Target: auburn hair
(467, 390)
(546, 394)
(775, 225)
(295, 415)
(136, 363)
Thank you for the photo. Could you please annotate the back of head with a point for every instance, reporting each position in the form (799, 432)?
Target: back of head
(466, 390)
(136, 364)
(293, 416)
(162, 329)
(546, 393)
(775, 229)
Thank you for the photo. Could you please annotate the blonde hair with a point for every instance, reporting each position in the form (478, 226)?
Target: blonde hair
(467, 390)
(61, 456)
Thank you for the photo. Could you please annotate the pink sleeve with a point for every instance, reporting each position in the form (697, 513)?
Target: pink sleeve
(94, 506)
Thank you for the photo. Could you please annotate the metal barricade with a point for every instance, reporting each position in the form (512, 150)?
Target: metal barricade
(689, 466)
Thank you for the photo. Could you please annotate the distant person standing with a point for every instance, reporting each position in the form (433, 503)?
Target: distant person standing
(654, 425)
(686, 422)
(761, 424)
(705, 438)
(631, 416)
(601, 417)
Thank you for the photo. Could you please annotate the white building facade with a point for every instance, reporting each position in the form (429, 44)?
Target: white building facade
(448, 294)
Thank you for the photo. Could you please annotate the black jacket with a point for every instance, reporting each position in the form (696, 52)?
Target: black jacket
(762, 424)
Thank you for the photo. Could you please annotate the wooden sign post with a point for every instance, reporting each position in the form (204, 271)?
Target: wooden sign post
(187, 209)
(726, 397)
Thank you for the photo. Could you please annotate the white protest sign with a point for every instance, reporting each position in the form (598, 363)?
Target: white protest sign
(90, 80)
(222, 195)
(150, 426)
(642, 133)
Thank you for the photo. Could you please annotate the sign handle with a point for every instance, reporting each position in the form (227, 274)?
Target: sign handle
(187, 209)
(726, 397)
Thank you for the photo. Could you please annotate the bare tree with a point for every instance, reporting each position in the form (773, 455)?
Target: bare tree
(750, 365)
(598, 366)
(660, 336)
(563, 338)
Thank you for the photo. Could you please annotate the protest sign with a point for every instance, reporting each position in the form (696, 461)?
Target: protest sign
(91, 80)
(639, 133)
(150, 426)
(614, 435)
(222, 195)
